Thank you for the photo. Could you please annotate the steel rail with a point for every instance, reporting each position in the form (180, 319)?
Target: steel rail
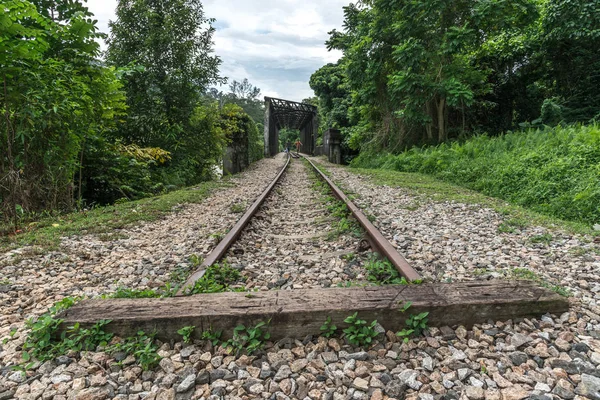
(235, 232)
(378, 242)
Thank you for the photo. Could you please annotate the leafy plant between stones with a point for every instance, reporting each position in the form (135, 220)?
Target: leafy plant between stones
(186, 332)
(249, 338)
(415, 324)
(358, 332)
(328, 329)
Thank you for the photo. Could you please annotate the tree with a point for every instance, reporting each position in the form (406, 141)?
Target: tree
(413, 69)
(330, 84)
(569, 38)
(54, 97)
(172, 41)
(246, 96)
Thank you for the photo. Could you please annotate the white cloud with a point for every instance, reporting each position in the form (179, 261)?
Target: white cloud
(276, 44)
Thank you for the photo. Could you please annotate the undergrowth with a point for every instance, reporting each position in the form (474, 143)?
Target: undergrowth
(47, 231)
(382, 272)
(344, 222)
(553, 171)
(217, 278)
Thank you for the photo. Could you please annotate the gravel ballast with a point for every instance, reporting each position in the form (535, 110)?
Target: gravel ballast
(554, 357)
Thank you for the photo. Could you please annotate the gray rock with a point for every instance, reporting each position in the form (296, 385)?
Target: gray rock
(409, 377)
(475, 393)
(329, 357)
(187, 384)
(216, 374)
(6, 395)
(518, 340)
(284, 372)
(63, 360)
(589, 387)
(428, 364)
(17, 376)
(395, 389)
(61, 378)
(518, 358)
(563, 389)
(360, 356)
(463, 373)
(203, 377)
(186, 352)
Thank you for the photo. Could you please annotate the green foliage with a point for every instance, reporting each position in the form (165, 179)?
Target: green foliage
(246, 96)
(186, 332)
(382, 272)
(552, 171)
(328, 329)
(126, 293)
(47, 231)
(415, 324)
(527, 274)
(237, 208)
(545, 238)
(217, 278)
(213, 336)
(55, 98)
(45, 343)
(358, 332)
(251, 338)
(172, 41)
(422, 72)
(142, 347)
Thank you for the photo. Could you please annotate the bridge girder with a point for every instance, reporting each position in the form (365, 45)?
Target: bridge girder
(280, 113)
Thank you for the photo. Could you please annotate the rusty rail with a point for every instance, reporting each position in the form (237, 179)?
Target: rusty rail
(232, 235)
(378, 242)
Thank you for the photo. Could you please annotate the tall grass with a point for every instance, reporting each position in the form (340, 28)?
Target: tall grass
(553, 171)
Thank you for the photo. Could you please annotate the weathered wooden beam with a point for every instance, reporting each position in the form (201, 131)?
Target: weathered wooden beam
(297, 313)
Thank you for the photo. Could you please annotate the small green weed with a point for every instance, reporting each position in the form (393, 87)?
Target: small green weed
(217, 278)
(218, 236)
(359, 333)
(238, 208)
(415, 324)
(546, 239)
(142, 347)
(349, 257)
(512, 225)
(524, 273)
(251, 338)
(11, 334)
(186, 332)
(196, 260)
(350, 284)
(44, 343)
(213, 336)
(382, 272)
(328, 329)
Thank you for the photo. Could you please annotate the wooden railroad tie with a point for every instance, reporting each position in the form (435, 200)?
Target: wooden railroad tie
(298, 313)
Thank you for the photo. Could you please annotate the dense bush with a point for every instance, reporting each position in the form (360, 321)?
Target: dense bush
(553, 171)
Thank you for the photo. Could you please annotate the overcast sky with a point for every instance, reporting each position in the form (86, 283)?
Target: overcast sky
(276, 44)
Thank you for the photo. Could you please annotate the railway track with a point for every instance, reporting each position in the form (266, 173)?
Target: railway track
(297, 270)
(289, 239)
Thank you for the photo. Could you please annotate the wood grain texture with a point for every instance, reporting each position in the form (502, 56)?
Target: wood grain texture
(297, 313)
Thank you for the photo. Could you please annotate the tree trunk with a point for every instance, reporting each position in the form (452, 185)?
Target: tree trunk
(12, 179)
(429, 125)
(441, 119)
